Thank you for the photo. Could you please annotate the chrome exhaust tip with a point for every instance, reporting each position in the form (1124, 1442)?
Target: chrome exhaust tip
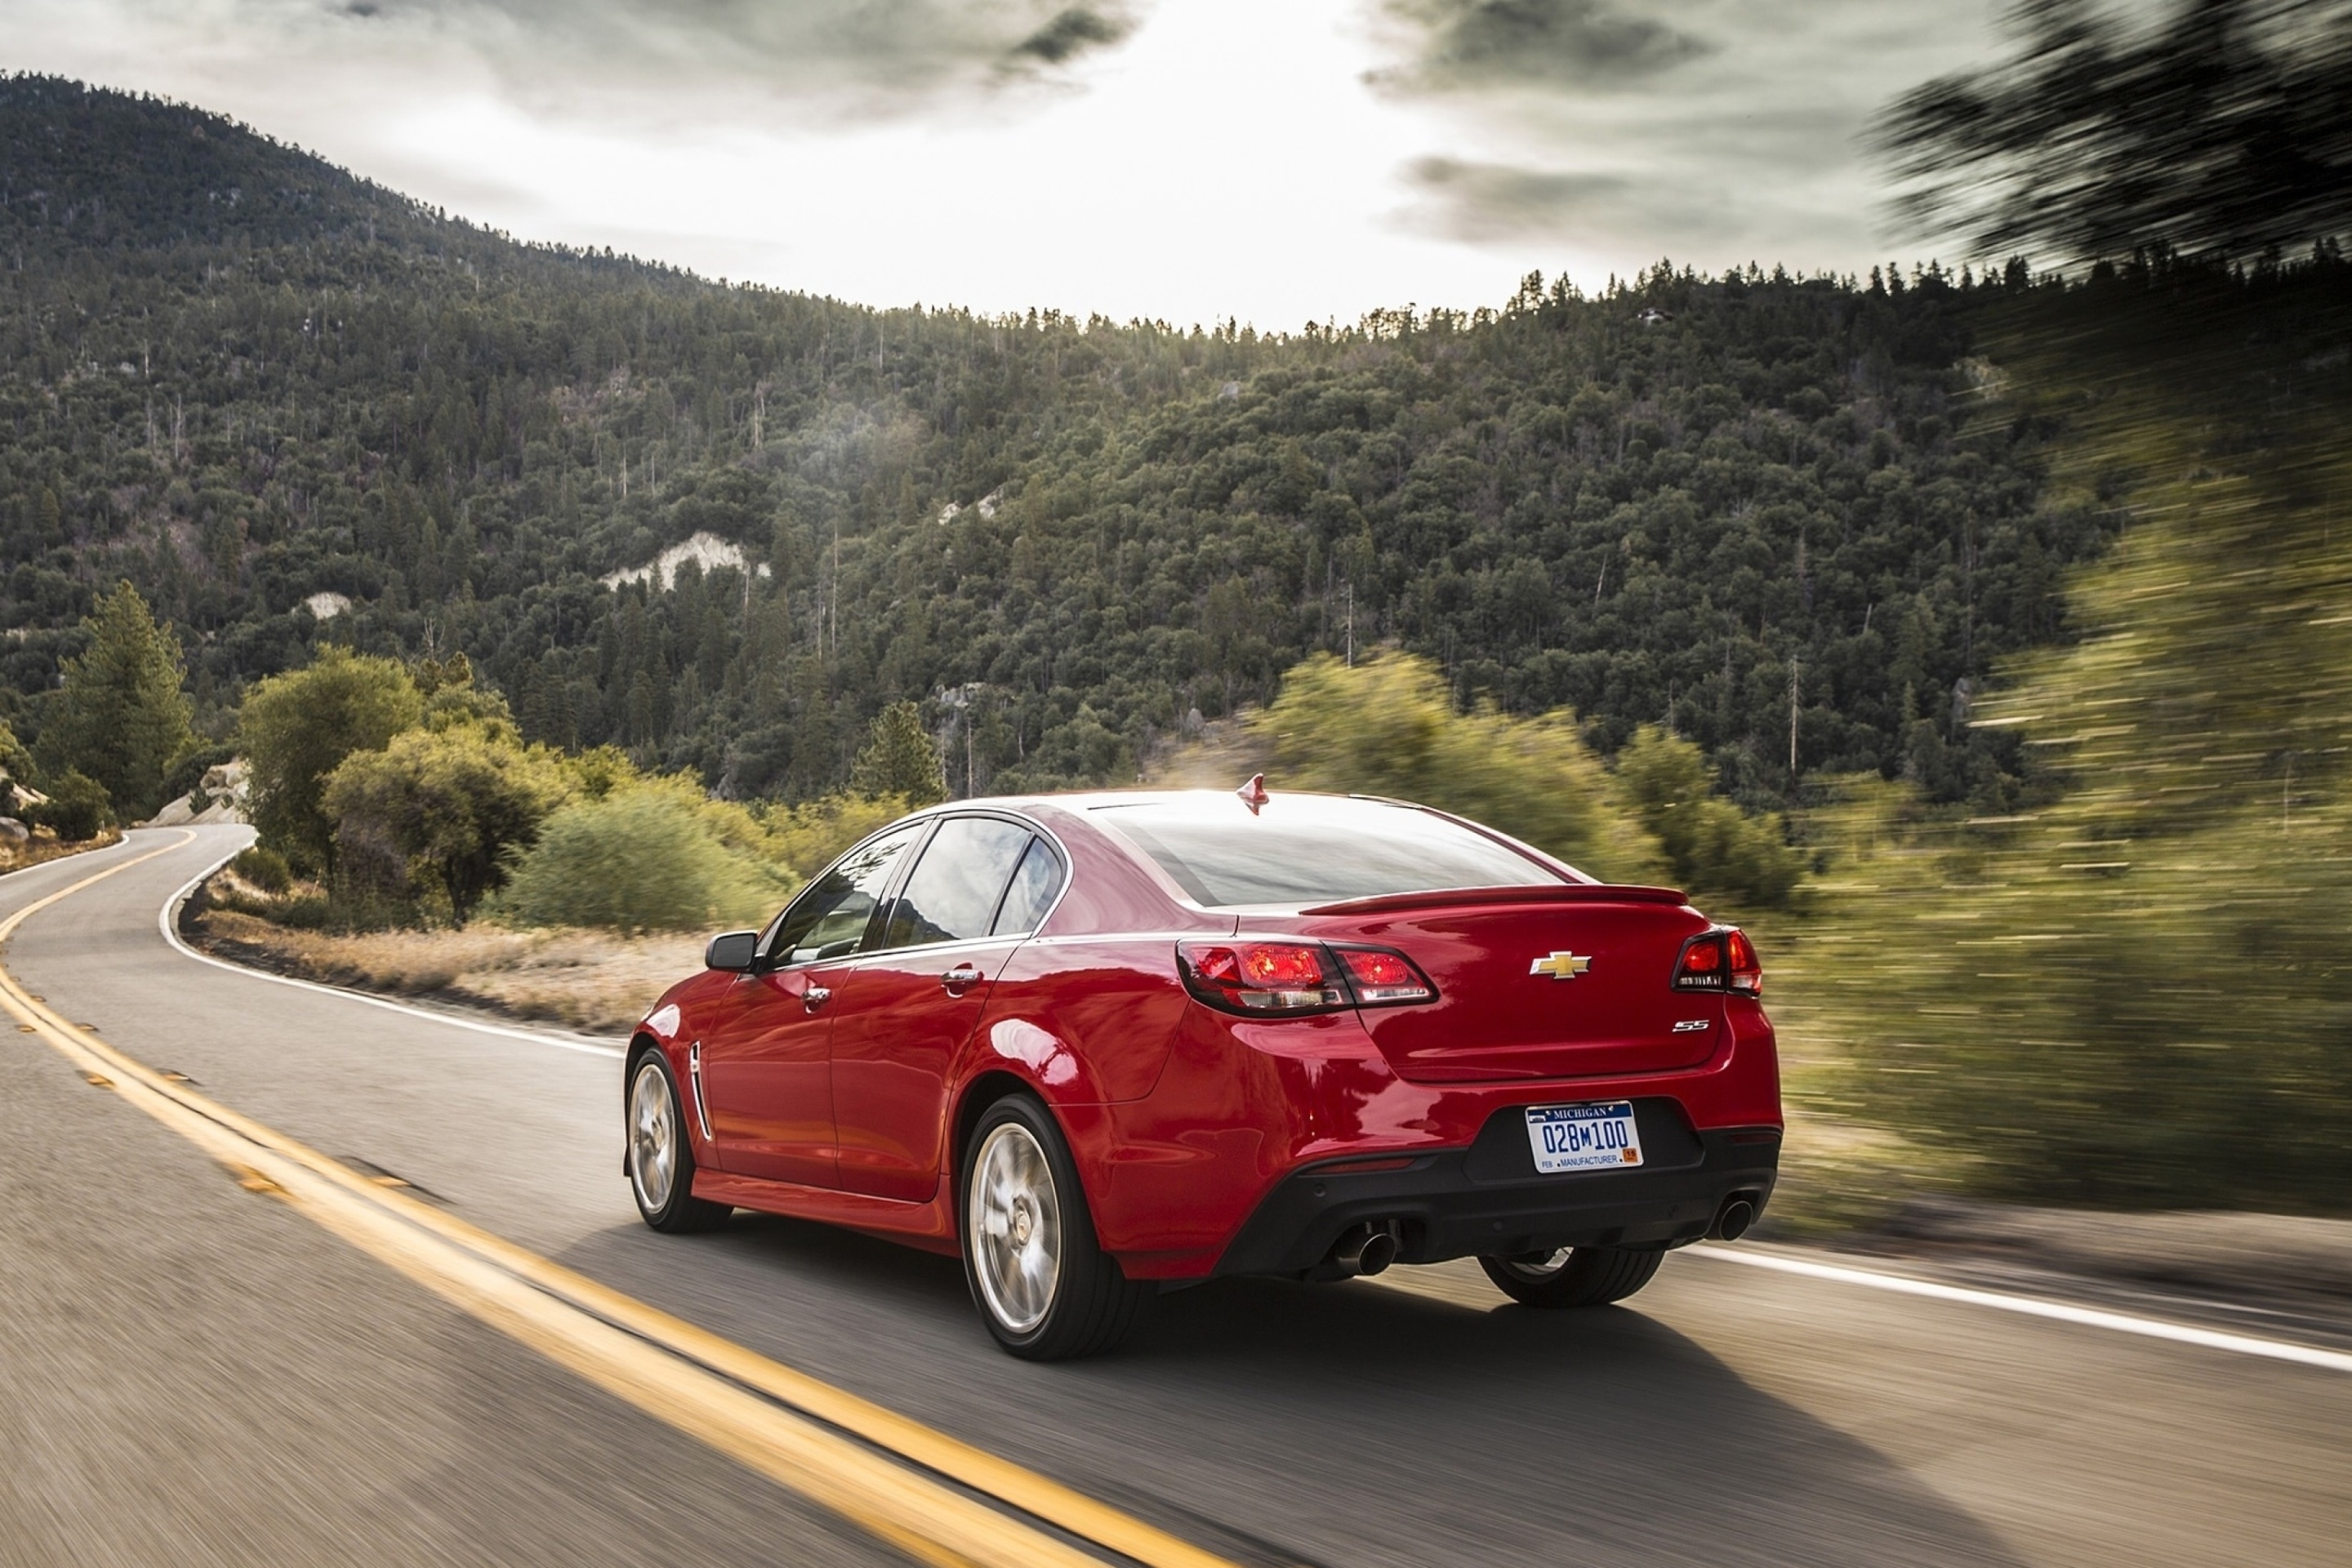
(1367, 1250)
(1731, 1223)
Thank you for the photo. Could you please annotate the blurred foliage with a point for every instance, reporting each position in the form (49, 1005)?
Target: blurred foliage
(638, 860)
(2221, 129)
(1711, 845)
(119, 715)
(295, 408)
(2136, 994)
(804, 839)
(298, 728)
(1386, 727)
(78, 807)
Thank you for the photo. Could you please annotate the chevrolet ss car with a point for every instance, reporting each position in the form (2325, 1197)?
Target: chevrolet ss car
(1105, 1046)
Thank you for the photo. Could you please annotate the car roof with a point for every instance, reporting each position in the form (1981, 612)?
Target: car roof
(1108, 799)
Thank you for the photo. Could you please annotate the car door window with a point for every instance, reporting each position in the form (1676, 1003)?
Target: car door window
(830, 919)
(956, 887)
(1035, 882)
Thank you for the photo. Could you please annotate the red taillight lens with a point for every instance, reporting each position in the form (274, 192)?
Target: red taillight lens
(1720, 960)
(1379, 976)
(1747, 969)
(1261, 976)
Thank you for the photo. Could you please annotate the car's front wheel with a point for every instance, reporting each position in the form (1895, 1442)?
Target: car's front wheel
(661, 1156)
(1572, 1276)
(1042, 1282)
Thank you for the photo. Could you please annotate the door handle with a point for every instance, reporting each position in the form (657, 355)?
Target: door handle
(961, 979)
(815, 997)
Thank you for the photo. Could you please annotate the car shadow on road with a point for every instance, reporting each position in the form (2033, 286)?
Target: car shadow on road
(1282, 1422)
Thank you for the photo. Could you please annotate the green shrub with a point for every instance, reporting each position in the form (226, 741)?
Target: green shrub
(1712, 845)
(77, 808)
(298, 728)
(1388, 727)
(265, 868)
(639, 860)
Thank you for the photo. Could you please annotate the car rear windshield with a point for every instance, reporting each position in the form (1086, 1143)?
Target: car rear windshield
(1317, 850)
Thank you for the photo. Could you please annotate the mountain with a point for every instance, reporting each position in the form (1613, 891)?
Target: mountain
(266, 390)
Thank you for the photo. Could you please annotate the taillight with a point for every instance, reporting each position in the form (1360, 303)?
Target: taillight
(1747, 969)
(1287, 978)
(1379, 976)
(1720, 960)
(1262, 976)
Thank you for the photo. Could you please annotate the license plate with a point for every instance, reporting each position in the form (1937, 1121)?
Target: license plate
(1597, 1137)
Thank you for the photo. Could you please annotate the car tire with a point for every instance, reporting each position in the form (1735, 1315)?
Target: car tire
(659, 1159)
(1573, 1276)
(1042, 1283)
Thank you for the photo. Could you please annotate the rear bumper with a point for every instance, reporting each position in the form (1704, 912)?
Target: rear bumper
(1489, 1199)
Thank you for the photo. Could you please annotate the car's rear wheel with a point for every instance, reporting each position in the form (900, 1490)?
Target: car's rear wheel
(1572, 1276)
(660, 1154)
(1042, 1282)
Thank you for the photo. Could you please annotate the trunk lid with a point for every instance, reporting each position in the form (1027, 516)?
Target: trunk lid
(1533, 983)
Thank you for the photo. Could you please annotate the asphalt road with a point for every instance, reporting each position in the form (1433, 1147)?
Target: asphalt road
(191, 1372)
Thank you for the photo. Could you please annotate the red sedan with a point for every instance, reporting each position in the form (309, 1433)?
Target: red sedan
(1108, 1045)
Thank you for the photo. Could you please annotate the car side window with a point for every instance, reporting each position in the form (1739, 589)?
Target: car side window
(957, 885)
(830, 917)
(1035, 882)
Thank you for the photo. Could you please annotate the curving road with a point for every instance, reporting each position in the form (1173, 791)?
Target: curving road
(192, 1372)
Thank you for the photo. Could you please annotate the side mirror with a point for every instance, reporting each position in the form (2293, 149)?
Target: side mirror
(735, 949)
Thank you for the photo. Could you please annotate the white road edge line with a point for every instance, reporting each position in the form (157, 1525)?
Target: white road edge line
(167, 922)
(2034, 1307)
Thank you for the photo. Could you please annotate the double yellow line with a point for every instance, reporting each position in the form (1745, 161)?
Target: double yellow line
(895, 1477)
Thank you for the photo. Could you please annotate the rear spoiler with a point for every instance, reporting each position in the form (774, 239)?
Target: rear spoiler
(1559, 893)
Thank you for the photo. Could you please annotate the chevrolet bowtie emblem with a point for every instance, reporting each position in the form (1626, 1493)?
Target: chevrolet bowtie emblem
(1560, 965)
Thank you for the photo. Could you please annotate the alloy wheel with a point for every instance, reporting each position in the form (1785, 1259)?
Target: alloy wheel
(653, 1136)
(1015, 1224)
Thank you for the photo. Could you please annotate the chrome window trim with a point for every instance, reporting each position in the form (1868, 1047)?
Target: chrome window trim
(928, 818)
(1061, 852)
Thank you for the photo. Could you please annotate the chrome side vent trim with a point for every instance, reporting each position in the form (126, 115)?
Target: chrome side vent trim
(694, 1071)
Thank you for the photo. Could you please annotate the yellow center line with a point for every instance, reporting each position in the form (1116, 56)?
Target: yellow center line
(708, 1387)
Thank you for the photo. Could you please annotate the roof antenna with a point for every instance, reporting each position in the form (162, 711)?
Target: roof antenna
(1253, 793)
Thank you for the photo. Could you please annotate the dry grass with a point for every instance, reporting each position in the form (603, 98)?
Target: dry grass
(590, 980)
(43, 847)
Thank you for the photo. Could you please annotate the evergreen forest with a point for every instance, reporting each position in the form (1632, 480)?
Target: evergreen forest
(1766, 513)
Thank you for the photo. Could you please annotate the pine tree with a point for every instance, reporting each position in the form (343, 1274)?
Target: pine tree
(121, 718)
(899, 759)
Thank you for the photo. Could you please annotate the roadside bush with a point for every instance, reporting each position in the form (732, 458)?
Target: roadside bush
(1388, 727)
(806, 838)
(265, 868)
(77, 808)
(638, 860)
(1711, 846)
(423, 828)
(296, 728)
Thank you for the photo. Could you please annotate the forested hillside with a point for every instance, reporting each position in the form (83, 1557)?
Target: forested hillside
(244, 380)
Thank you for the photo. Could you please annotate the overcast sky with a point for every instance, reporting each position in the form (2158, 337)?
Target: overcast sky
(1280, 161)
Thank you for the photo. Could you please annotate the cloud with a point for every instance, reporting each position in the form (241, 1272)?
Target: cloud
(1455, 46)
(1708, 130)
(683, 60)
(1485, 203)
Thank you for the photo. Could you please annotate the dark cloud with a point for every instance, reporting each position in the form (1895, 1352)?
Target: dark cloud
(829, 57)
(1482, 204)
(1454, 46)
(1072, 32)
